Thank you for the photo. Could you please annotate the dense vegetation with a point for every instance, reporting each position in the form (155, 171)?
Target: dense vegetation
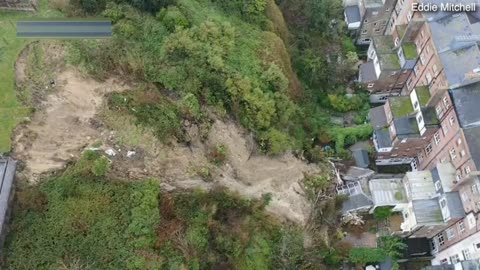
(82, 219)
(232, 58)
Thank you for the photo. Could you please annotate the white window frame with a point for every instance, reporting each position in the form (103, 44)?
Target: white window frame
(445, 129)
(451, 120)
(455, 259)
(461, 227)
(428, 149)
(446, 102)
(438, 185)
(453, 154)
(435, 69)
(466, 254)
(459, 141)
(436, 138)
(370, 85)
(450, 233)
(468, 170)
(422, 59)
(464, 196)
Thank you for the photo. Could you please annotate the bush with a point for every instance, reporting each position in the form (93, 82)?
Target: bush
(218, 154)
(173, 18)
(363, 255)
(382, 212)
(101, 166)
(274, 142)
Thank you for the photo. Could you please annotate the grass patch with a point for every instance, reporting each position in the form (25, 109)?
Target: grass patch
(409, 50)
(11, 110)
(423, 95)
(400, 106)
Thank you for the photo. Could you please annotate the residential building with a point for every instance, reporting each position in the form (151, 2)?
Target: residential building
(425, 199)
(367, 18)
(403, 126)
(387, 69)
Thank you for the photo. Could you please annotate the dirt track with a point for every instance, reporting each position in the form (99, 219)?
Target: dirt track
(68, 123)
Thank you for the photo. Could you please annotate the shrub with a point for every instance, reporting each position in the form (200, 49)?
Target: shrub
(382, 212)
(173, 18)
(274, 142)
(363, 255)
(101, 166)
(218, 154)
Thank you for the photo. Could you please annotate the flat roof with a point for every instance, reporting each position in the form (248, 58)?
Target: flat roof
(387, 191)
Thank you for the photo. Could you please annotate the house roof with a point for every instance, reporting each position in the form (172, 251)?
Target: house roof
(427, 211)
(472, 136)
(361, 158)
(356, 202)
(455, 205)
(445, 173)
(406, 127)
(383, 138)
(430, 116)
(454, 37)
(356, 173)
(417, 247)
(7, 174)
(420, 185)
(387, 191)
(353, 14)
(367, 72)
(378, 118)
(466, 100)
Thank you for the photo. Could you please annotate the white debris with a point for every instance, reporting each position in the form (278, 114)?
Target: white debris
(130, 154)
(110, 152)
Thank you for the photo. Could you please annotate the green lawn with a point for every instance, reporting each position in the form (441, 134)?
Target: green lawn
(11, 111)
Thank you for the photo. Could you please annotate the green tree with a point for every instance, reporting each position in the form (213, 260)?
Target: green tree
(363, 255)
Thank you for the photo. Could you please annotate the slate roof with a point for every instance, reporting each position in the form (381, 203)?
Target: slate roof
(378, 118)
(455, 205)
(355, 202)
(472, 136)
(361, 158)
(466, 100)
(7, 174)
(406, 127)
(353, 14)
(383, 138)
(453, 36)
(427, 211)
(367, 72)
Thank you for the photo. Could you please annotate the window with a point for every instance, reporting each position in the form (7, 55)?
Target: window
(420, 119)
(444, 129)
(420, 157)
(464, 196)
(461, 227)
(455, 259)
(396, 41)
(364, 31)
(458, 176)
(446, 102)
(468, 170)
(477, 246)
(428, 77)
(434, 69)
(422, 59)
(415, 105)
(377, 30)
(427, 49)
(428, 149)
(439, 111)
(365, 21)
(370, 85)
(415, 70)
(375, 13)
(422, 33)
(375, 24)
(444, 261)
(451, 120)
(462, 153)
(443, 203)
(438, 185)
(387, 10)
(471, 221)
(450, 233)
(466, 254)
(453, 154)
(441, 239)
(459, 141)
(436, 138)
(475, 189)
(409, 82)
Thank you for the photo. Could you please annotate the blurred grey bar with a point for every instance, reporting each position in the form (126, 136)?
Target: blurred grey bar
(64, 29)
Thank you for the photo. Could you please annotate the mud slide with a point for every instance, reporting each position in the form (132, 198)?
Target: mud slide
(68, 122)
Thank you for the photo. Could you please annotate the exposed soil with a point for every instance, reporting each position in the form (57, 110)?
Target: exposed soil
(70, 120)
